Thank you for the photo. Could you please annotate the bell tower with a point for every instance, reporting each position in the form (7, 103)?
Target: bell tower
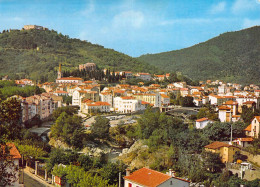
(59, 72)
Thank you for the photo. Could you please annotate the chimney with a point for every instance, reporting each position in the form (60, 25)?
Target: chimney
(127, 172)
(171, 173)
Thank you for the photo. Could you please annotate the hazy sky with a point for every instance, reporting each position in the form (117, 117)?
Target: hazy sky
(134, 27)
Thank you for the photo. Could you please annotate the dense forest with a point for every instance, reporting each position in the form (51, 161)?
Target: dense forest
(232, 56)
(36, 54)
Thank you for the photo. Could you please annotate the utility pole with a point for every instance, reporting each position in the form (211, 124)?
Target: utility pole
(22, 171)
(119, 185)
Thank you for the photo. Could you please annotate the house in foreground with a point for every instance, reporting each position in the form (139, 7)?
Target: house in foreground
(145, 177)
(13, 166)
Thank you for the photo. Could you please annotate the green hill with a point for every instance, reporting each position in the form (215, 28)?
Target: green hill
(232, 56)
(36, 54)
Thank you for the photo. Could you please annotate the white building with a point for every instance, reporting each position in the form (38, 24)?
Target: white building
(203, 122)
(61, 93)
(65, 80)
(144, 76)
(106, 97)
(165, 100)
(145, 177)
(95, 107)
(127, 104)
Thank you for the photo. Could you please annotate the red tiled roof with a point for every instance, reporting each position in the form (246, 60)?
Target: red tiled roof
(164, 96)
(257, 118)
(202, 119)
(249, 102)
(70, 78)
(245, 139)
(224, 108)
(148, 177)
(61, 91)
(13, 151)
(216, 145)
(145, 103)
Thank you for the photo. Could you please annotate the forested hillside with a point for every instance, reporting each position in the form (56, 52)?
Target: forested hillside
(232, 56)
(36, 54)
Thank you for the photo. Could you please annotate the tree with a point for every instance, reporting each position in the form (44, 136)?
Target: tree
(68, 128)
(187, 101)
(67, 109)
(10, 113)
(100, 128)
(247, 114)
(31, 152)
(212, 161)
(111, 171)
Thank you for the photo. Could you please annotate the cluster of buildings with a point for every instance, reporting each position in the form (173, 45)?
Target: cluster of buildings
(42, 105)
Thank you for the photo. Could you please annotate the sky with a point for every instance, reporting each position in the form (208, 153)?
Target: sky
(134, 27)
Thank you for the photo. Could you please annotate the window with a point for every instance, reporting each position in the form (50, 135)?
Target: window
(129, 184)
(170, 182)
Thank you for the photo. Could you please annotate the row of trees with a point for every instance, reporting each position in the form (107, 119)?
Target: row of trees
(80, 165)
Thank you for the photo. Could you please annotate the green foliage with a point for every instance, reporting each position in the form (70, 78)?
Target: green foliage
(10, 113)
(26, 91)
(59, 156)
(110, 171)
(19, 49)
(212, 162)
(221, 131)
(186, 101)
(68, 128)
(31, 151)
(232, 57)
(255, 147)
(77, 177)
(207, 112)
(69, 110)
(35, 121)
(100, 128)
(248, 114)
(67, 99)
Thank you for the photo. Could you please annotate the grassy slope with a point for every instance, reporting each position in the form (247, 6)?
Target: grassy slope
(20, 58)
(232, 56)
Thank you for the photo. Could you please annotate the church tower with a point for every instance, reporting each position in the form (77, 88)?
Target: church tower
(59, 72)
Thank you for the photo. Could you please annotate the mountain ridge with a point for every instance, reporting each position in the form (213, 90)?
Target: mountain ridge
(36, 54)
(231, 56)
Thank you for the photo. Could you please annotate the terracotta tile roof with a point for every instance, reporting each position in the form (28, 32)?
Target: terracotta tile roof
(245, 139)
(61, 91)
(249, 102)
(216, 145)
(148, 177)
(224, 108)
(257, 118)
(13, 151)
(202, 119)
(70, 78)
(145, 103)
(99, 103)
(164, 96)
